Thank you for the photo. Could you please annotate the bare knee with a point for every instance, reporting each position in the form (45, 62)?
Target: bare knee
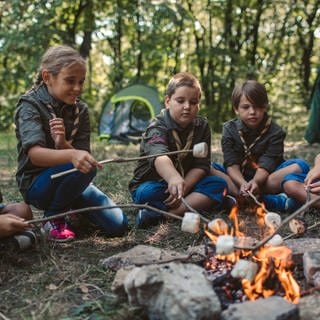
(294, 189)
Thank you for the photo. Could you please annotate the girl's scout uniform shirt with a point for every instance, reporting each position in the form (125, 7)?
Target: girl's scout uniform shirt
(158, 139)
(32, 128)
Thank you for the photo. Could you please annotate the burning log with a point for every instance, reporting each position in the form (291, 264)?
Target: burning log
(191, 222)
(245, 269)
(199, 150)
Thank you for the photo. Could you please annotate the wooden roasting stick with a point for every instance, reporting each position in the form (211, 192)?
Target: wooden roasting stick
(129, 205)
(199, 150)
(89, 209)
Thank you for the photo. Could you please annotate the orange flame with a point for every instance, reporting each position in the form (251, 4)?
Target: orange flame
(233, 216)
(277, 260)
(274, 262)
(260, 214)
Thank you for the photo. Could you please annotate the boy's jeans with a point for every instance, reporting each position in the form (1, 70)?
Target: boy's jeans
(75, 191)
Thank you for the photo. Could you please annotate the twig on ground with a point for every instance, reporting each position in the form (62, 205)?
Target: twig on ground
(181, 259)
(2, 316)
(309, 291)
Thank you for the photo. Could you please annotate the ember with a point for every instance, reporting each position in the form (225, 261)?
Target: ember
(258, 274)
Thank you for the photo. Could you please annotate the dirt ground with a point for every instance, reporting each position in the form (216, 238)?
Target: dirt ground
(67, 281)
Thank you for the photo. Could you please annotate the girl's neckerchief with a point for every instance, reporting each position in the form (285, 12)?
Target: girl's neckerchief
(248, 159)
(179, 146)
(75, 121)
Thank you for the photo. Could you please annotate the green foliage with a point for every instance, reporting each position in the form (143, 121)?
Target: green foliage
(221, 42)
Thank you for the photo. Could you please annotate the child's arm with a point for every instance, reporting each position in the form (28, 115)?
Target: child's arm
(258, 180)
(11, 224)
(235, 174)
(193, 177)
(169, 173)
(45, 157)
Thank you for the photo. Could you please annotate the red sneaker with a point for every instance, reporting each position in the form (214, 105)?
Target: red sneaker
(58, 230)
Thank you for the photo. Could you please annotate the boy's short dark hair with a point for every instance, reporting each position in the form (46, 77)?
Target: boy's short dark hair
(182, 79)
(254, 91)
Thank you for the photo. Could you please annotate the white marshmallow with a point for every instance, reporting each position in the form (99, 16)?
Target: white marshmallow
(244, 269)
(190, 222)
(272, 220)
(218, 226)
(275, 241)
(200, 150)
(225, 245)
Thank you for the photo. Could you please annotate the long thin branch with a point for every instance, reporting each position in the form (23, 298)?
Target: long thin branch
(121, 159)
(90, 209)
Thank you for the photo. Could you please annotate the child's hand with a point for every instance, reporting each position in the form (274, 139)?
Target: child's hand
(312, 175)
(176, 187)
(11, 224)
(251, 186)
(172, 202)
(315, 187)
(84, 161)
(57, 130)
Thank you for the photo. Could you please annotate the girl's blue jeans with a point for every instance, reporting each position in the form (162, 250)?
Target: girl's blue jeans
(75, 191)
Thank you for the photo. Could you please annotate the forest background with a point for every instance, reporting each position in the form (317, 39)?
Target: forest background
(129, 41)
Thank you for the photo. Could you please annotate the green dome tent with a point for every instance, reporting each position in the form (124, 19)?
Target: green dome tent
(312, 133)
(127, 114)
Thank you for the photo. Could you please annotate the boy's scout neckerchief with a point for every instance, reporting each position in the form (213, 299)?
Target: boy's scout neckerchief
(179, 146)
(75, 122)
(247, 149)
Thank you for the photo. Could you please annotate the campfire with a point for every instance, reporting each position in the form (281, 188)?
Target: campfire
(241, 274)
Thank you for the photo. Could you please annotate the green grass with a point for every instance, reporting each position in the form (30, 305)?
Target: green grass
(67, 281)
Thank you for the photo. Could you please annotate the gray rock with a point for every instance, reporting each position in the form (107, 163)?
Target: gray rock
(309, 307)
(273, 308)
(173, 291)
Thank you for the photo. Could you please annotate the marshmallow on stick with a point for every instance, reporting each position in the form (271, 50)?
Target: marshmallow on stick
(225, 245)
(244, 269)
(200, 150)
(272, 220)
(275, 241)
(218, 226)
(298, 226)
(191, 222)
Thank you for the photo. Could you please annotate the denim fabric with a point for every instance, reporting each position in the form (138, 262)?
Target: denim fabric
(294, 176)
(153, 192)
(75, 191)
(304, 166)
